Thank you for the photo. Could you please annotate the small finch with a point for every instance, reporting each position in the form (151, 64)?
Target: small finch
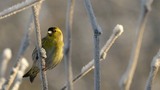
(53, 45)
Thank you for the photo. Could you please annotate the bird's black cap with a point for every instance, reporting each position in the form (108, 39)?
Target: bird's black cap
(53, 29)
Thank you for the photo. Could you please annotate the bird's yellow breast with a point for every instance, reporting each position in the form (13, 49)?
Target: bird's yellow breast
(54, 52)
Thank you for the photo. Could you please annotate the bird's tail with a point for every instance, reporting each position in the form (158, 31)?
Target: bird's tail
(32, 73)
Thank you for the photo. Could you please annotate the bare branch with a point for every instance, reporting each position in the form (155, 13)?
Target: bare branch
(118, 30)
(68, 53)
(2, 81)
(97, 32)
(8, 83)
(41, 51)
(6, 56)
(24, 64)
(126, 79)
(18, 8)
(22, 49)
(153, 72)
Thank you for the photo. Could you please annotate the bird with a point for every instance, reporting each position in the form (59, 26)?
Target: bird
(53, 44)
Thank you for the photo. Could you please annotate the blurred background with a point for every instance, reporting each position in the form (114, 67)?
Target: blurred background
(108, 14)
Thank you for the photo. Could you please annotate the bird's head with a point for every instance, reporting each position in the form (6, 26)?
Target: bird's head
(55, 33)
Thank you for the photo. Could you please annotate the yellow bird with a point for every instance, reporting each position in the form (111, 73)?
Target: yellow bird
(53, 45)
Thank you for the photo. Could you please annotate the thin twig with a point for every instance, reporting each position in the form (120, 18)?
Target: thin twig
(8, 83)
(22, 49)
(97, 32)
(24, 64)
(126, 79)
(153, 72)
(118, 30)
(68, 53)
(41, 51)
(2, 81)
(6, 56)
(18, 8)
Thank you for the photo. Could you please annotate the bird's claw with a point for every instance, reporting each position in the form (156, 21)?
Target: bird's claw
(43, 53)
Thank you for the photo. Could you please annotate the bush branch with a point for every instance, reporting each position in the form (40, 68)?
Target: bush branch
(118, 30)
(6, 56)
(41, 51)
(97, 32)
(153, 72)
(68, 53)
(126, 79)
(18, 8)
(24, 45)
(17, 82)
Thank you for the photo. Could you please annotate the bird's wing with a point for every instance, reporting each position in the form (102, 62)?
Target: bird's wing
(34, 53)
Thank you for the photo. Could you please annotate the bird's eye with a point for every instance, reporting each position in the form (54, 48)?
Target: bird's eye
(54, 30)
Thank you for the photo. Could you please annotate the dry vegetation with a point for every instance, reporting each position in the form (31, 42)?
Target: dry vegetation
(136, 50)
